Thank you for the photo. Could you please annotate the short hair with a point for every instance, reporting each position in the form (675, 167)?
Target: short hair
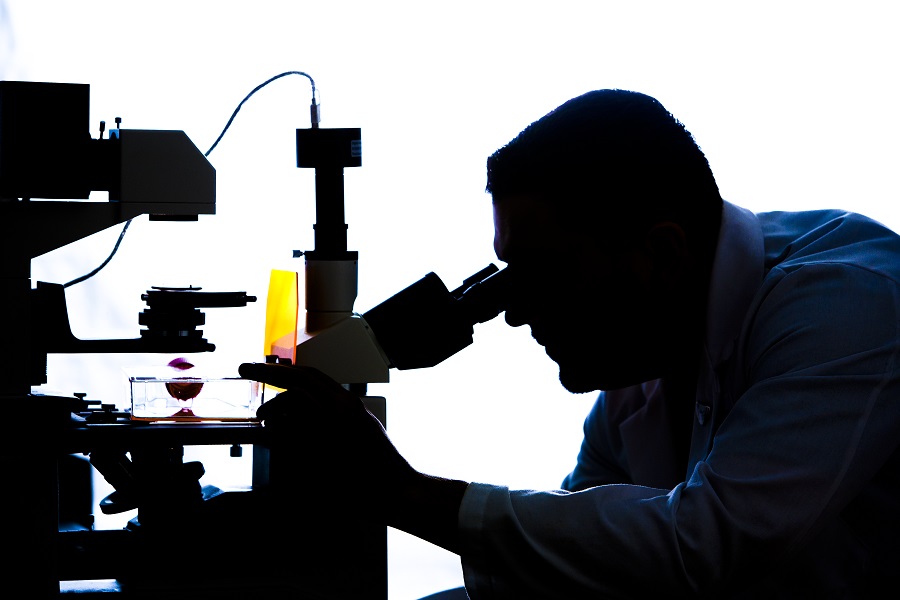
(613, 161)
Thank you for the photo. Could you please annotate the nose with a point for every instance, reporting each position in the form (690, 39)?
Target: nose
(517, 299)
(514, 317)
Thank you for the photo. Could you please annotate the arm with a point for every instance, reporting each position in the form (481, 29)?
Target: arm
(347, 438)
(429, 509)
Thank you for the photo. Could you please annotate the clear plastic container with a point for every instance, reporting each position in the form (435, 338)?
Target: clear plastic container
(169, 396)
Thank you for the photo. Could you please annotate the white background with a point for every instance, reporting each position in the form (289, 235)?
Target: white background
(794, 103)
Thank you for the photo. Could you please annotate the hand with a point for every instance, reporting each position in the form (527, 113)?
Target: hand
(328, 435)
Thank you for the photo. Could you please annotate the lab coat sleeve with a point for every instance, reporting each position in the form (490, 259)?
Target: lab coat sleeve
(815, 419)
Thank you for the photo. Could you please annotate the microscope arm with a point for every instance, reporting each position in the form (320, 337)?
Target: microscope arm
(160, 173)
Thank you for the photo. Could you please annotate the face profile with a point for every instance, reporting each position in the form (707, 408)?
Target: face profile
(588, 304)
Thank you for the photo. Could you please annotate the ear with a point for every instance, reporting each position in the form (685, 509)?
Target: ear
(666, 247)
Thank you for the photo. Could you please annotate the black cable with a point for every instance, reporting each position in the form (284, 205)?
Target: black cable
(105, 262)
(313, 107)
(314, 115)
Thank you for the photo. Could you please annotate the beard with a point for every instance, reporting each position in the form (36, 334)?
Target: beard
(578, 375)
(575, 384)
(586, 371)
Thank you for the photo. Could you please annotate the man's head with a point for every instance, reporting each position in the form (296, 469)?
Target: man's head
(608, 213)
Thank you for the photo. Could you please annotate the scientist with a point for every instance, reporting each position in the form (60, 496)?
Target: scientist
(745, 440)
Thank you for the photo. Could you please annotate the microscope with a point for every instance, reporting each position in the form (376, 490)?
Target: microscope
(47, 174)
(46, 177)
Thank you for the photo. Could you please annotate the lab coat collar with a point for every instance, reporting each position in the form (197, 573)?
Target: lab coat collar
(737, 273)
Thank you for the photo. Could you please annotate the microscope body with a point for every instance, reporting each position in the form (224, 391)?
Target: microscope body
(46, 180)
(46, 177)
(49, 166)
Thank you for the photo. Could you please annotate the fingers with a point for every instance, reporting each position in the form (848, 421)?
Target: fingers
(284, 406)
(291, 377)
(282, 376)
(309, 392)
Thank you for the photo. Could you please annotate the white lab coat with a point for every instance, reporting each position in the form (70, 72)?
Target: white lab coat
(793, 482)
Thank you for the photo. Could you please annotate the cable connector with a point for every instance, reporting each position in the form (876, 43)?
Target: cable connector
(314, 116)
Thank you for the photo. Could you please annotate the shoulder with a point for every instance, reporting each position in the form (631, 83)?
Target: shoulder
(826, 314)
(797, 239)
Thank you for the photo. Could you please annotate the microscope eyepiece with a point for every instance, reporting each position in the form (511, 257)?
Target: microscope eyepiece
(485, 299)
(425, 323)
